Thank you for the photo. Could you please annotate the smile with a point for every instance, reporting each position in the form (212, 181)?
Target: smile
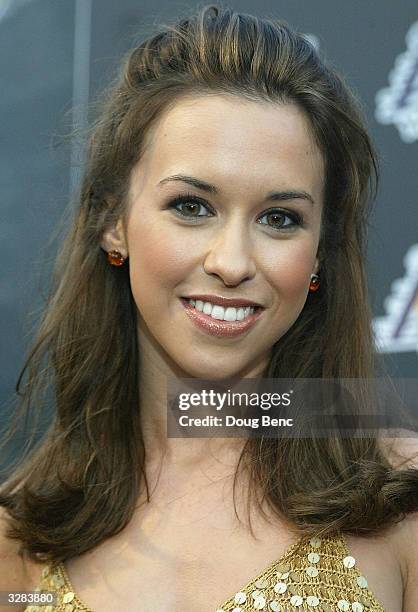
(231, 313)
(220, 321)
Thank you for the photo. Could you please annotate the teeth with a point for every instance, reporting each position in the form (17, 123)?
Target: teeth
(219, 312)
(207, 308)
(240, 314)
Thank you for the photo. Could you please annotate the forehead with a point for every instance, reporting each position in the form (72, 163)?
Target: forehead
(230, 139)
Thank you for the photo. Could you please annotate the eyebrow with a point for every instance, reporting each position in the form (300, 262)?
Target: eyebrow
(272, 196)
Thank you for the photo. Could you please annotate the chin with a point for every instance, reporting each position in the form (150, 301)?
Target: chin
(209, 374)
(218, 371)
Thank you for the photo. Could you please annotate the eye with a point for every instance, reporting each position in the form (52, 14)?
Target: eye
(277, 217)
(194, 204)
(189, 207)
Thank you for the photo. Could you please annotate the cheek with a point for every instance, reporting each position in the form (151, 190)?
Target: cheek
(157, 261)
(288, 268)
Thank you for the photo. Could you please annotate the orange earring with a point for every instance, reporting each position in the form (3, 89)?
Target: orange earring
(115, 258)
(314, 285)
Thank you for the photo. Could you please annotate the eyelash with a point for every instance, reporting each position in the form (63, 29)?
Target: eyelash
(189, 198)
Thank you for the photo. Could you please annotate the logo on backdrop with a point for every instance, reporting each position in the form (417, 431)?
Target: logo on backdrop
(9, 7)
(397, 330)
(398, 103)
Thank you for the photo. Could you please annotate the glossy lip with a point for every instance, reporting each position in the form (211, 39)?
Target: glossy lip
(223, 301)
(219, 328)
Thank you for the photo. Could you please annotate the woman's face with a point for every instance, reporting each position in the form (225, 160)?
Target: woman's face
(231, 240)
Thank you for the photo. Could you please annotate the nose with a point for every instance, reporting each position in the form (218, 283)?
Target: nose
(230, 255)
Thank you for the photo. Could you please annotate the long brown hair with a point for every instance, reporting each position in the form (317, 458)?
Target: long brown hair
(80, 484)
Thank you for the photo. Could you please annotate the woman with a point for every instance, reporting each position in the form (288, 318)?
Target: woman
(229, 163)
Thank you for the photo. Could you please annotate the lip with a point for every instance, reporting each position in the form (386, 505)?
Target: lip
(223, 301)
(216, 327)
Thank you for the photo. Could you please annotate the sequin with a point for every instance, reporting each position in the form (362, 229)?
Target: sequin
(68, 597)
(256, 594)
(237, 610)
(45, 572)
(58, 581)
(349, 561)
(280, 587)
(313, 601)
(326, 607)
(262, 583)
(69, 608)
(344, 605)
(366, 602)
(312, 571)
(315, 542)
(259, 602)
(283, 567)
(313, 557)
(240, 597)
(294, 589)
(296, 600)
(295, 576)
(275, 606)
(362, 582)
(356, 606)
(282, 575)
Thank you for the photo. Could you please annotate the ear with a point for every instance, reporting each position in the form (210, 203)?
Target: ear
(114, 238)
(316, 267)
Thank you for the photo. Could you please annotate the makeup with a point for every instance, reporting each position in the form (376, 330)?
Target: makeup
(217, 327)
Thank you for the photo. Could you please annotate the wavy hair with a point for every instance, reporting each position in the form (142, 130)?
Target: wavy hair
(81, 482)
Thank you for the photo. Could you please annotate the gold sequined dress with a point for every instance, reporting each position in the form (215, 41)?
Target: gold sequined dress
(313, 575)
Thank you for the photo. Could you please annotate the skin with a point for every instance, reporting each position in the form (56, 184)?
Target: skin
(246, 149)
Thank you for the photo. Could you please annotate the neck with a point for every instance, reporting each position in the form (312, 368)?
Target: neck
(155, 370)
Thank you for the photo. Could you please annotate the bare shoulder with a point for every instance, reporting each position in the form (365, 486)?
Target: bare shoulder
(400, 447)
(17, 573)
(406, 545)
(402, 451)
(11, 564)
